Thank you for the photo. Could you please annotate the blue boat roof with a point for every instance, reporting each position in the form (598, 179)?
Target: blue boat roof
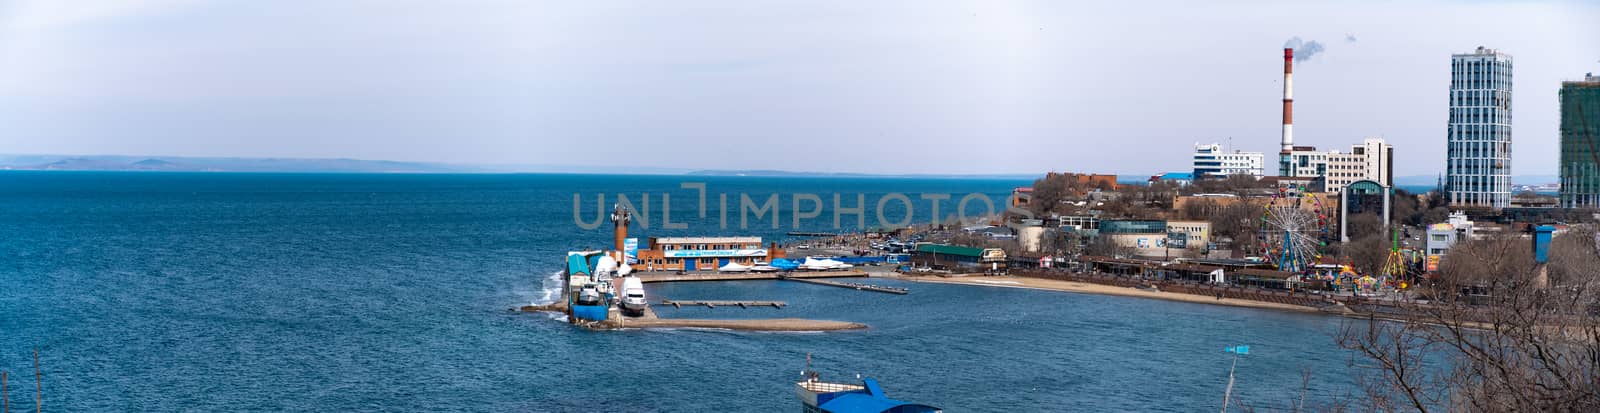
(872, 400)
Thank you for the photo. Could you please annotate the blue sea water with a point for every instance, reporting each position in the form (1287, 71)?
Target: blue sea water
(333, 292)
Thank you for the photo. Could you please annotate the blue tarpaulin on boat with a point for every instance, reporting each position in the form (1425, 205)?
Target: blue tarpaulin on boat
(871, 401)
(785, 264)
(591, 312)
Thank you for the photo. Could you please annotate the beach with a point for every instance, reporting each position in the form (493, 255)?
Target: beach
(1088, 288)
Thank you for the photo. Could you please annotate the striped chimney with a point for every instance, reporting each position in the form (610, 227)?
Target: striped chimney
(1288, 100)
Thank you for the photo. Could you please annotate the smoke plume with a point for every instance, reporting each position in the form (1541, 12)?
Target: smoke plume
(1303, 50)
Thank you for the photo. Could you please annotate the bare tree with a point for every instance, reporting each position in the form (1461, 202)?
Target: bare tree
(1500, 333)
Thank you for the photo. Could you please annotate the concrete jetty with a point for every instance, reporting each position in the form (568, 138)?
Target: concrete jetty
(856, 286)
(715, 303)
(649, 320)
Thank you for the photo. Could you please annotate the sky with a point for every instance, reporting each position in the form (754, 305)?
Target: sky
(948, 87)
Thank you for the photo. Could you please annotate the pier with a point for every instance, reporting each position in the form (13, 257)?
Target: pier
(715, 303)
(856, 286)
(649, 320)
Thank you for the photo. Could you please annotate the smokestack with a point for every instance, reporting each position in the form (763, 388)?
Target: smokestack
(1288, 100)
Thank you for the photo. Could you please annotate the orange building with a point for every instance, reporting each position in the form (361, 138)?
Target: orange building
(704, 253)
(1103, 182)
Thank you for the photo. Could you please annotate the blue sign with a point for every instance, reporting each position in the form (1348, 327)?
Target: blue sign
(630, 249)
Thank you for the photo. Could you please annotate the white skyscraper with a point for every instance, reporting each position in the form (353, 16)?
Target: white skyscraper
(1478, 167)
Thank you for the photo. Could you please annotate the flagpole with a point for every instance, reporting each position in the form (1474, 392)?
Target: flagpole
(1229, 390)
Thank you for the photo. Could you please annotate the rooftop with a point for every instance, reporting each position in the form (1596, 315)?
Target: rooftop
(951, 250)
(706, 240)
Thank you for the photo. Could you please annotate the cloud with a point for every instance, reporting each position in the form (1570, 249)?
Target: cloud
(1303, 50)
(1349, 38)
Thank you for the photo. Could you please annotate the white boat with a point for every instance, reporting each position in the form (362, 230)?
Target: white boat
(735, 267)
(633, 301)
(589, 295)
(764, 268)
(823, 264)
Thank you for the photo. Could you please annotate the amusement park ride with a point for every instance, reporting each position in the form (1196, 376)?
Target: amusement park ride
(1294, 229)
(1295, 234)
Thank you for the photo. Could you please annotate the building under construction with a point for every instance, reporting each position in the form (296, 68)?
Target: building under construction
(1580, 152)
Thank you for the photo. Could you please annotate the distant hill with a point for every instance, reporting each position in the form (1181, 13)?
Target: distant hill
(198, 164)
(1433, 180)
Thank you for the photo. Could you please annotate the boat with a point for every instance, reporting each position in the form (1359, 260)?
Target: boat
(735, 267)
(586, 295)
(817, 396)
(823, 264)
(633, 301)
(784, 264)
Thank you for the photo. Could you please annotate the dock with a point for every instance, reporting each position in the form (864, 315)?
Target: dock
(649, 320)
(714, 304)
(856, 286)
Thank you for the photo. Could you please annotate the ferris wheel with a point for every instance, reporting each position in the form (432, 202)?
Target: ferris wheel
(1294, 229)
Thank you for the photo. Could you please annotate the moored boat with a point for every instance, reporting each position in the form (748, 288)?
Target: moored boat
(587, 299)
(633, 301)
(817, 396)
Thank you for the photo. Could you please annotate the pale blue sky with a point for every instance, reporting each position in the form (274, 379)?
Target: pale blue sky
(878, 87)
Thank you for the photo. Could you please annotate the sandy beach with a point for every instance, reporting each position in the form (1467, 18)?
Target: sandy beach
(1088, 288)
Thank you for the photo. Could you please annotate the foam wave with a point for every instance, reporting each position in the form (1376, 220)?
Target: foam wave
(549, 289)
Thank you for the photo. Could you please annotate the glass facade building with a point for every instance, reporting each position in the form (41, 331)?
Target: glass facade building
(1580, 158)
(1133, 227)
(1478, 137)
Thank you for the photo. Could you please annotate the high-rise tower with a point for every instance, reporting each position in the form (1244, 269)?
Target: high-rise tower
(1580, 150)
(1478, 137)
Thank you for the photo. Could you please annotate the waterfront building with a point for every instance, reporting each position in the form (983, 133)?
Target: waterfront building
(1580, 128)
(704, 253)
(952, 257)
(1210, 161)
(1478, 136)
(1188, 234)
(1146, 237)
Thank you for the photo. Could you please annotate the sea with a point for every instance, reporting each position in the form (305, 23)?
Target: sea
(150, 291)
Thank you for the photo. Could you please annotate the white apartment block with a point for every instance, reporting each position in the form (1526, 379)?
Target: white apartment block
(1372, 160)
(1306, 161)
(1210, 161)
